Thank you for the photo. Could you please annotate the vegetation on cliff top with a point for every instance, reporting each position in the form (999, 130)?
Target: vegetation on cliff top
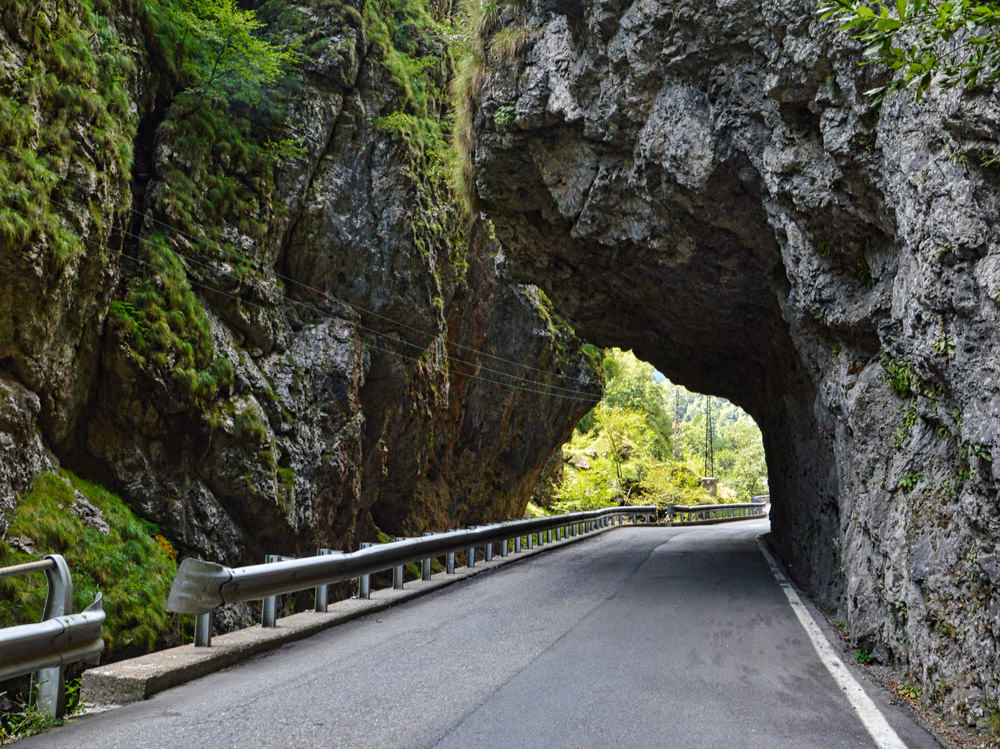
(925, 42)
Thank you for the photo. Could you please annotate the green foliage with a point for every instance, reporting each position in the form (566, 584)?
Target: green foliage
(622, 451)
(24, 722)
(982, 453)
(863, 656)
(908, 482)
(504, 115)
(912, 692)
(27, 720)
(73, 81)
(944, 344)
(217, 50)
(949, 42)
(904, 379)
(905, 428)
(133, 565)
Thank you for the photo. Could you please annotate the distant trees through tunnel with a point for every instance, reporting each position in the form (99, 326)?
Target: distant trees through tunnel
(652, 441)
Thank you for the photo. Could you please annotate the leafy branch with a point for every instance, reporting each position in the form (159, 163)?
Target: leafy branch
(949, 42)
(220, 52)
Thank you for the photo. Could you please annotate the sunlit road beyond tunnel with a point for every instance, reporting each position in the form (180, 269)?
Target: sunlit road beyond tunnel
(639, 637)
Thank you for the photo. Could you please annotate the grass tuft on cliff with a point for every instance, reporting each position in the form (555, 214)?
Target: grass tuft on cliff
(64, 112)
(132, 564)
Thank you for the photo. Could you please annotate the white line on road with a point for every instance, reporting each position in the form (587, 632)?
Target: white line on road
(883, 734)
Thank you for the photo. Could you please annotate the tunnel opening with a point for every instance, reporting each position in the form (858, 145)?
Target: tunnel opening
(650, 441)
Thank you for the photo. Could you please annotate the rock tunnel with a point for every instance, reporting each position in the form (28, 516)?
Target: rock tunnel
(709, 186)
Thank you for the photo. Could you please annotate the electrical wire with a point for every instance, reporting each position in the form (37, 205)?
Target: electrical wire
(574, 396)
(332, 298)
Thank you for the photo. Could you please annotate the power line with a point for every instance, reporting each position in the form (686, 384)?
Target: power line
(331, 298)
(404, 342)
(575, 396)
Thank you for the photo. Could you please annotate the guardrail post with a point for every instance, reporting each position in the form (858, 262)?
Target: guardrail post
(203, 630)
(470, 554)
(450, 563)
(365, 581)
(517, 544)
(269, 605)
(320, 595)
(503, 547)
(50, 696)
(397, 571)
(488, 557)
(531, 540)
(425, 564)
(559, 530)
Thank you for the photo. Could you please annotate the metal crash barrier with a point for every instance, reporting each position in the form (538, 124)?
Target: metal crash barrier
(695, 514)
(44, 649)
(199, 586)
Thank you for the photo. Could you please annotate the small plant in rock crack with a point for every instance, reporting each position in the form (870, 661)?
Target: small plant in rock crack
(912, 692)
(908, 481)
(863, 656)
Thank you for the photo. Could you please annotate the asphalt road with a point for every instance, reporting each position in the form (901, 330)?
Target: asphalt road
(640, 637)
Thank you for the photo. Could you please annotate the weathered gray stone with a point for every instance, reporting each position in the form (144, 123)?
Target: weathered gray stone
(22, 453)
(708, 185)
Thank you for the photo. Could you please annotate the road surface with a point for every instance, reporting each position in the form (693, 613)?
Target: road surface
(639, 637)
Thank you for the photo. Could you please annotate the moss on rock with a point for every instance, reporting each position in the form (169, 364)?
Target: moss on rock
(108, 549)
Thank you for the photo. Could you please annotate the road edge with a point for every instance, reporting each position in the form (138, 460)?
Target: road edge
(874, 721)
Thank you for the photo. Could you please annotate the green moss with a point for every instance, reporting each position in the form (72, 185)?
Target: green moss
(74, 81)
(249, 428)
(412, 46)
(168, 329)
(285, 478)
(133, 566)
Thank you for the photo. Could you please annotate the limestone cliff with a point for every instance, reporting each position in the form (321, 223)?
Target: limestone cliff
(708, 184)
(267, 326)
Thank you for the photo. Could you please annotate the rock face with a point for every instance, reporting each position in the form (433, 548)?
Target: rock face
(707, 183)
(259, 352)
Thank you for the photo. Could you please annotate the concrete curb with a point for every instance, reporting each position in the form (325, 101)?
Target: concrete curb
(139, 678)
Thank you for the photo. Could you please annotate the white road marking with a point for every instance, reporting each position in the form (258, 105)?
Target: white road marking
(883, 734)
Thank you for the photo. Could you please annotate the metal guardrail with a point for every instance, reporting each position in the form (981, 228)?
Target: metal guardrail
(681, 514)
(199, 587)
(44, 649)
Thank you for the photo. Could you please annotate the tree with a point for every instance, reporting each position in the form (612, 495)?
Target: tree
(626, 432)
(218, 51)
(948, 41)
